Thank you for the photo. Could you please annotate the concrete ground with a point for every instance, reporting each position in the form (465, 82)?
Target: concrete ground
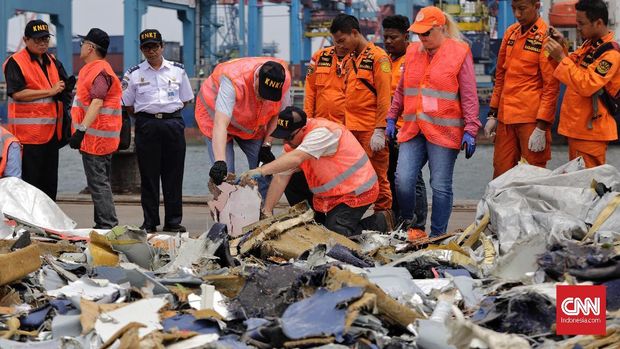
(196, 217)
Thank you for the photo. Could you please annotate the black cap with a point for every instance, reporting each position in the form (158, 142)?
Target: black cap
(97, 37)
(289, 120)
(36, 29)
(150, 36)
(271, 78)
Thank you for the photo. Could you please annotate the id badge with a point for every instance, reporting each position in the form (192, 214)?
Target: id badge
(429, 104)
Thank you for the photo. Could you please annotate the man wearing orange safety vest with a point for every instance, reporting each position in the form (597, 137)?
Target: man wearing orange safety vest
(591, 76)
(324, 89)
(96, 123)
(342, 181)
(523, 104)
(396, 40)
(10, 155)
(240, 101)
(368, 74)
(35, 82)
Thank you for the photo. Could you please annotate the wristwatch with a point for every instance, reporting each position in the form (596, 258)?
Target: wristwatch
(80, 127)
(266, 144)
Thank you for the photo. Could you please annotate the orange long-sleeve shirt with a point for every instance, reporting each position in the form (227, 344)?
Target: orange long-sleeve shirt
(325, 87)
(398, 66)
(584, 76)
(365, 110)
(525, 89)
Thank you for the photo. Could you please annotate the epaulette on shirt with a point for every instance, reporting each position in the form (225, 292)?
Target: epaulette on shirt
(133, 69)
(179, 65)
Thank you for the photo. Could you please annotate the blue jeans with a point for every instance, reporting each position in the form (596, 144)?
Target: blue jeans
(250, 148)
(412, 157)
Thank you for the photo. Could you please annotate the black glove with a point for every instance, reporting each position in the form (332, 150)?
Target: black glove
(76, 140)
(218, 172)
(265, 155)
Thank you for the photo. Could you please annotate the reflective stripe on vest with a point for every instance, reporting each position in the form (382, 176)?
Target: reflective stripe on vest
(103, 110)
(32, 121)
(343, 176)
(36, 101)
(366, 186)
(429, 92)
(211, 114)
(435, 120)
(99, 133)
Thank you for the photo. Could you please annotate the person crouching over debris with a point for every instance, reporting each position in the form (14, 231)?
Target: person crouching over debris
(341, 179)
(10, 155)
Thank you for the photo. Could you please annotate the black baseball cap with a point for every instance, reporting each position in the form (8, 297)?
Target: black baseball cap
(36, 29)
(289, 120)
(97, 37)
(271, 78)
(150, 36)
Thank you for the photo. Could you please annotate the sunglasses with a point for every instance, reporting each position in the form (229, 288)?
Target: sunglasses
(426, 34)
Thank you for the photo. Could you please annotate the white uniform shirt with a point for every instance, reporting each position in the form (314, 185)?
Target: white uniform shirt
(156, 91)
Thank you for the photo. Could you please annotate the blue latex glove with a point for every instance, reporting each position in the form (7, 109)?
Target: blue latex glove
(468, 144)
(390, 130)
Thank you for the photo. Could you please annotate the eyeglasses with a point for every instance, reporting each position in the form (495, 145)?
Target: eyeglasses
(89, 43)
(149, 47)
(426, 34)
(41, 40)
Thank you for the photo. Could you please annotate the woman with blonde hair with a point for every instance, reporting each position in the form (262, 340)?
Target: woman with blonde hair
(437, 99)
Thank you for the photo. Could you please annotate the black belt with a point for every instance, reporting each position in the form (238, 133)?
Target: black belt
(176, 114)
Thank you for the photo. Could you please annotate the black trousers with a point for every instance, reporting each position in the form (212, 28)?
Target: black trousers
(160, 146)
(342, 219)
(40, 166)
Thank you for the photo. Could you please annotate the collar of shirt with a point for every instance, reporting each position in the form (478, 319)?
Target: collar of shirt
(540, 23)
(45, 57)
(164, 64)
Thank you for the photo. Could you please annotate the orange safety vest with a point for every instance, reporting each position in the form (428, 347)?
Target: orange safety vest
(250, 115)
(34, 122)
(347, 176)
(431, 94)
(398, 66)
(325, 87)
(103, 135)
(6, 139)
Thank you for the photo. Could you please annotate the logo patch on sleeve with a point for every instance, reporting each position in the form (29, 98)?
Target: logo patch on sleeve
(603, 67)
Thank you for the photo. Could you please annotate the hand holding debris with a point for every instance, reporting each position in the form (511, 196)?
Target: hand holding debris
(218, 172)
(254, 174)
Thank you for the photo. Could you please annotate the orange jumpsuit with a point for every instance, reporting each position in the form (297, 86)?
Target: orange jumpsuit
(588, 134)
(525, 91)
(366, 106)
(325, 87)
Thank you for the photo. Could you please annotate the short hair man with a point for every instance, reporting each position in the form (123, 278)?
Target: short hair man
(588, 73)
(97, 121)
(368, 78)
(523, 104)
